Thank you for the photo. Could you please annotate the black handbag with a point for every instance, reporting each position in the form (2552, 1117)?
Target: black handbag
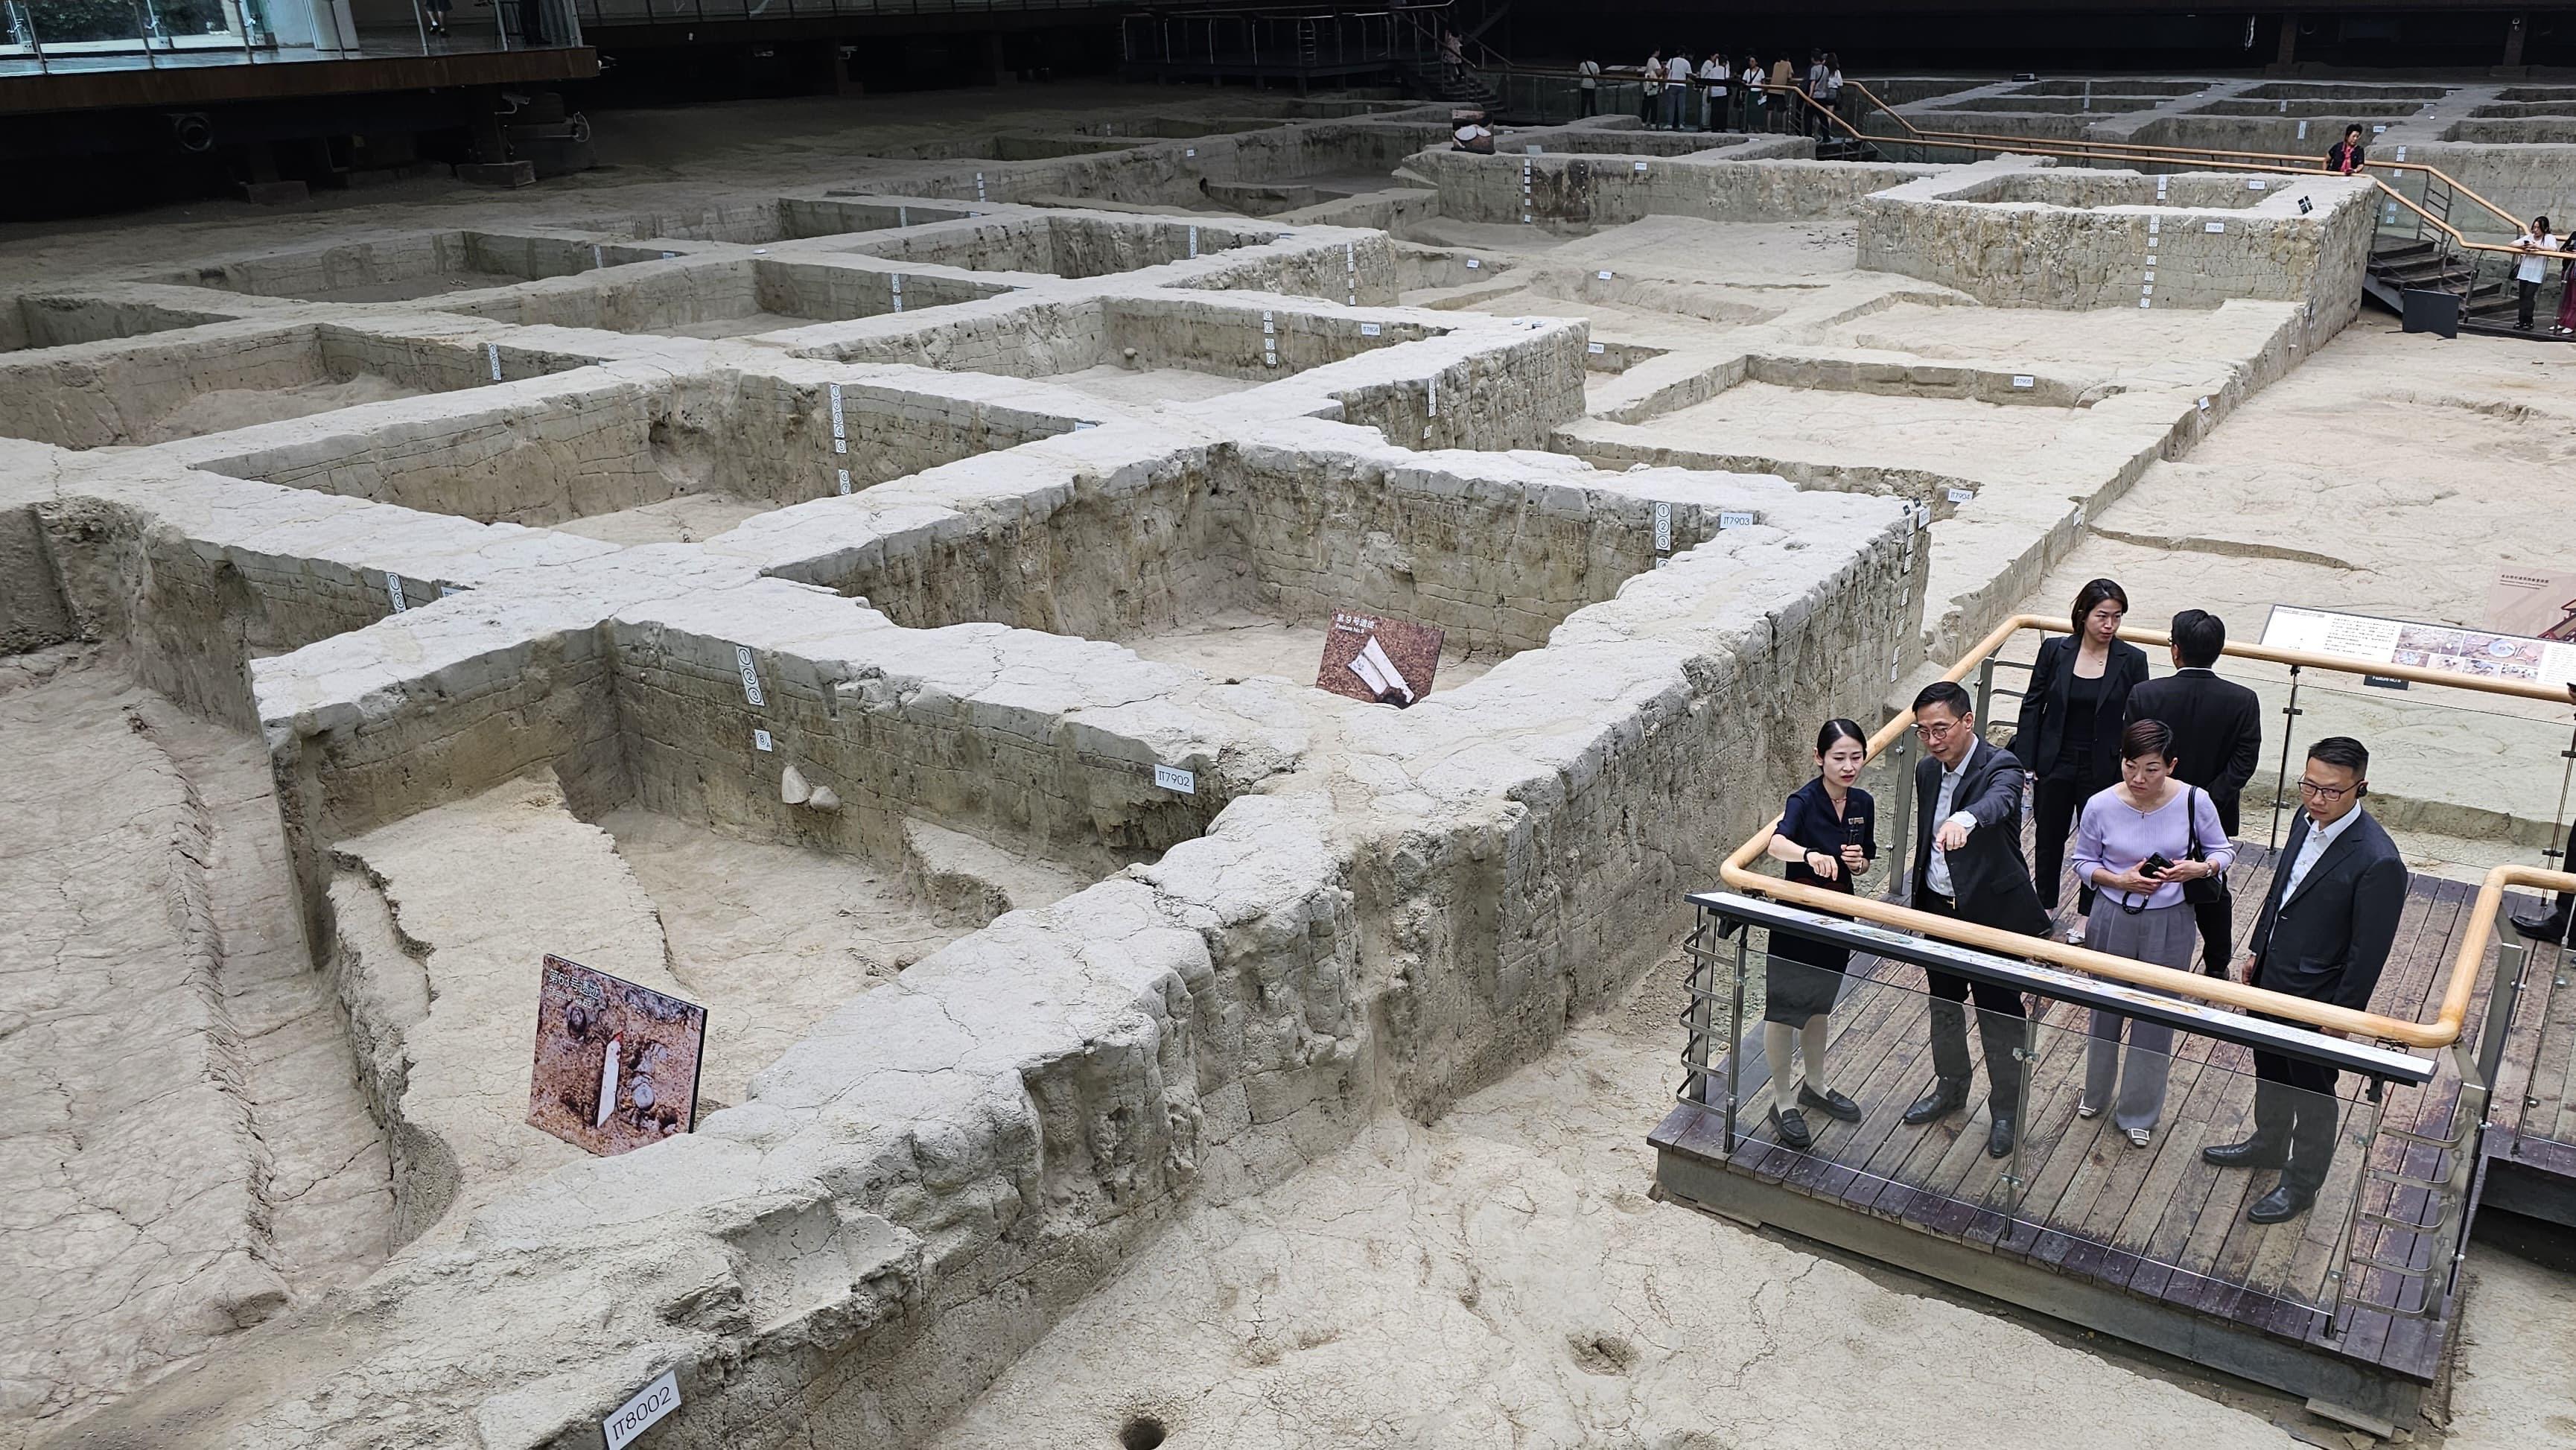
(2204, 890)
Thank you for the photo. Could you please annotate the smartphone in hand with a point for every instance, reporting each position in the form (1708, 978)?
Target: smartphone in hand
(2154, 866)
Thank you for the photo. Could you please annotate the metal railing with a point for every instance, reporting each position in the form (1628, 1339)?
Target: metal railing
(2459, 974)
(2139, 153)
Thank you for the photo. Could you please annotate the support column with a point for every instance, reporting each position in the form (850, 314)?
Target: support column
(2513, 34)
(837, 68)
(2287, 60)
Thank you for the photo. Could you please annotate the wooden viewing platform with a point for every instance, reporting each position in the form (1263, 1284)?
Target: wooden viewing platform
(2151, 1244)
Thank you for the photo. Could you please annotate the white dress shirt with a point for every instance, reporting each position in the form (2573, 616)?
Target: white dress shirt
(1936, 877)
(2315, 847)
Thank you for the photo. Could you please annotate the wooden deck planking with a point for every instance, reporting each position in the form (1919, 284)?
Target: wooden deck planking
(2156, 1221)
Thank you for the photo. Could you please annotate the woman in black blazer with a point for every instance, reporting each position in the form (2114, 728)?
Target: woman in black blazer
(2071, 717)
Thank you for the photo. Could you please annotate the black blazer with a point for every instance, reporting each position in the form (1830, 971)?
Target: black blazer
(1989, 879)
(2217, 728)
(2328, 943)
(2040, 740)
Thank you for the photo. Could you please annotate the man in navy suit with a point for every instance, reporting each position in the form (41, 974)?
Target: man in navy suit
(2324, 934)
(1968, 864)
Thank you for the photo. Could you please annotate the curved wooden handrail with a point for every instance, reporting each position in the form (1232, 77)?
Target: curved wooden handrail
(2460, 975)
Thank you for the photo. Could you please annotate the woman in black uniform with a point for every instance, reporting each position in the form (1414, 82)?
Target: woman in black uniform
(1827, 836)
(2072, 713)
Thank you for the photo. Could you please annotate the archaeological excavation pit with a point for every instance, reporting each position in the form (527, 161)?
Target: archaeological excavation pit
(413, 267)
(240, 375)
(1236, 569)
(890, 619)
(644, 460)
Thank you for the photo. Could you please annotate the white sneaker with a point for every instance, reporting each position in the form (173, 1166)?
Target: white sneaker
(2140, 1137)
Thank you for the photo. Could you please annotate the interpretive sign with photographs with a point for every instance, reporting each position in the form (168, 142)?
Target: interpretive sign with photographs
(617, 1064)
(1382, 661)
(2448, 648)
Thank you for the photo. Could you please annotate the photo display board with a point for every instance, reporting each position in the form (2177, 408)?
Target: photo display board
(2369, 640)
(616, 1064)
(1382, 661)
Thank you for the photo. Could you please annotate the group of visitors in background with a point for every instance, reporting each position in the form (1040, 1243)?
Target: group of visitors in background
(2530, 270)
(2146, 775)
(1713, 94)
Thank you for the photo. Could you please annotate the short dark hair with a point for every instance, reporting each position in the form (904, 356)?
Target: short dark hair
(2199, 637)
(1838, 730)
(2353, 130)
(2147, 737)
(2090, 597)
(1947, 694)
(2344, 751)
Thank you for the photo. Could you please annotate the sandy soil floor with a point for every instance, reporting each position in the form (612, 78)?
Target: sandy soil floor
(2392, 475)
(183, 1151)
(1502, 1278)
(228, 408)
(782, 936)
(744, 326)
(1151, 387)
(2029, 334)
(1951, 435)
(687, 519)
(1235, 645)
(409, 289)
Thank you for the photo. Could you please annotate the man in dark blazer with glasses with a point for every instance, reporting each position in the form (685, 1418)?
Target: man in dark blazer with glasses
(1968, 865)
(2327, 925)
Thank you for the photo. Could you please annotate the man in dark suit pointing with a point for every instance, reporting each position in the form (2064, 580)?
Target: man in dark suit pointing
(2324, 934)
(2218, 741)
(1968, 864)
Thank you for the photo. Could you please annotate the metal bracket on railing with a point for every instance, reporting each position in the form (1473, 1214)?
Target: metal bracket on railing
(2281, 782)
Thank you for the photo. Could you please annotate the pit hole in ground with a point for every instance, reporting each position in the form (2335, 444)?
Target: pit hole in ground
(1141, 1432)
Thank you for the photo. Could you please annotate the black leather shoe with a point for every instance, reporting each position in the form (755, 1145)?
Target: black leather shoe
(2252, 1153)
(2280, 1205)
(1999, 1137)
(2549, 926)
(1830, 1103)
(1945, 1098)
(1793, 1130)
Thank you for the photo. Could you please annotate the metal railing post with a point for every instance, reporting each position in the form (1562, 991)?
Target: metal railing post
(1985, 689)
(2281, 782)
(1735, 1029)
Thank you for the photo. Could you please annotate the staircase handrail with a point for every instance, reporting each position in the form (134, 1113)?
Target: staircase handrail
(2266, 161)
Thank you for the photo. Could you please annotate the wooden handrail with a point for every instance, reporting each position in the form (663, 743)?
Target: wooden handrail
(2461, 974)
(2267, 161)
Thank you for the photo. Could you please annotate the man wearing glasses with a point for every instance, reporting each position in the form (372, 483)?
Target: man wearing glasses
(2324, 934)
(1968, 865)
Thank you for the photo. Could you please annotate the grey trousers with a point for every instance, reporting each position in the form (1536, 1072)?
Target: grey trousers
(2169, 937)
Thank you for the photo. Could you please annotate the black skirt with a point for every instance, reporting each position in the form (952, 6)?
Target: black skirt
(1801, 976)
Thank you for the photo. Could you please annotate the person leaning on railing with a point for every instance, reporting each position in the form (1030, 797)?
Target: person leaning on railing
(2532, 269)
(2348, 154)
(1827, 835)
(2326, 928)
(1588, 88)
(2143, 845)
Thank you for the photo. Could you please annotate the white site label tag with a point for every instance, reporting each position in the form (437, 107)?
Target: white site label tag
(644, 1411)
(1368, 329)
(1962, 495)
(595, 256)
(2214, 227)
(1474, 265)
(1594, 347)
(760, 740)
(1641, 166)
(1735, 521)
(2254, 185)
(1604, 275)
(492, 355)
(2024, 380)
(750, 676)
(393, 591)
(2204, 405)
(1193, 151)
(1194, 241)
(1173, 779)
(836, 410)
(845, 481)
(1663, 528)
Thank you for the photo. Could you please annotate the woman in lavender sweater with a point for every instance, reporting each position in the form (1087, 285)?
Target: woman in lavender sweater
(2139, 910)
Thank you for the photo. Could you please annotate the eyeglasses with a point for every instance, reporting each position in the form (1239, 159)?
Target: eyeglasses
(2323, 794)
(1936, 729)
